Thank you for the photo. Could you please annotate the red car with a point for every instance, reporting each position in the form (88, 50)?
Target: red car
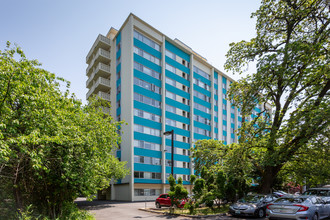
(165, 200)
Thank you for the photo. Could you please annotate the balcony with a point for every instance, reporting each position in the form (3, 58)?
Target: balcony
(102, 56)
(101, 70)
(100, 85)
(104, 95)
(100, 42)
(106, 110)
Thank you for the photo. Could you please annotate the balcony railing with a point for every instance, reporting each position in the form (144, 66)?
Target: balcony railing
(100, 56)
(100, 67)
(100, 42)
(104, 95)
(102, 82)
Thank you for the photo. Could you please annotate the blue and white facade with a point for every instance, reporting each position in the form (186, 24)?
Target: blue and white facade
(158, 84)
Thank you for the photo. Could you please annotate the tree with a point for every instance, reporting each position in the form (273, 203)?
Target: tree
(208, 153)
(177, 191)
(291, 51)
(315, 158)
(52, 148)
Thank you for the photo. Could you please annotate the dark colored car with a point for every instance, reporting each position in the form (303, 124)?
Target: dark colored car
(252, 205)
(301, 207)
(165, 200)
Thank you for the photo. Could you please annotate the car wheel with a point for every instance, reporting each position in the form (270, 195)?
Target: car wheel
(315, 217)
(158, 206)
(260, 213)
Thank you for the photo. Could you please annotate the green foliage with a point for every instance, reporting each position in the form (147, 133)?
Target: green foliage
(291, 51)
(207, 153)
(52, 148)
(70, 211)
(177, 191)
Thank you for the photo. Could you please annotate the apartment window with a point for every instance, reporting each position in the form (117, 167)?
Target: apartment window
(170, 81)
(232, 140)
(118, 47)
(146, 100)
(147, 175)
(169, 149)
(202, 119)
(202, 131)
(232, 130)
(201, 96)
(224, 95)
(146, 85)
(146, 55)
(170, 68)
(146, 130)
(239, 123)
(216, 124)
(146, 70)
(146, 145)
(146, 40)
(146, 115)
(184, 75)
(232, 120)
(224, 85)
(147, 192)
(201, 84)
(170, 54)
(118, 104)
(169, 163)
(201, 72)
(170, 108)
(216, 92)
(118, 60)
(170, 122)
(224, 106)
(232, 110)
(118, 89)
(147, 160)
(202, 108)
(224, 127)
(170, 95)
(118, 75)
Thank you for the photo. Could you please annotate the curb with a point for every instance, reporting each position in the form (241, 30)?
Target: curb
(184, 215)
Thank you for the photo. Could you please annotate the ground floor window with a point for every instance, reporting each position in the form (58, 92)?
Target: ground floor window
(147, 192)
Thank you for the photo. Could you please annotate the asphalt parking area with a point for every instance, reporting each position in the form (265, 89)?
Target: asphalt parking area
(130, 210)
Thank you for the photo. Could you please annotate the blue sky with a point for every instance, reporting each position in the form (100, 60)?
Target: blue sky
(60, 33)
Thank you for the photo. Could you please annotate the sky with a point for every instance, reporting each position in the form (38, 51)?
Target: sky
(60, 33)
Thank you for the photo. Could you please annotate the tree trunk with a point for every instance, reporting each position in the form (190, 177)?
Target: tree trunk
(18, 199)
(267, 181)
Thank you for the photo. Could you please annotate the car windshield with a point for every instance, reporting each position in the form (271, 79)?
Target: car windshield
(317, 192)
(290, 200)
(251, 199)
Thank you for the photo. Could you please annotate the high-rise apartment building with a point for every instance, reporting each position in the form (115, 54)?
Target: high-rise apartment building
(157, 84)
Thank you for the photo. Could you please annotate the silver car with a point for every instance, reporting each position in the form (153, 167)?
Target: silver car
(252, 205)
(302, 207)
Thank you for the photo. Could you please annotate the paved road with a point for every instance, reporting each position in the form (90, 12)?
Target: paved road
(130, 210)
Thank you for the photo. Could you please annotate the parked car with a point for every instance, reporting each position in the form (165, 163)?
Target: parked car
(321, 192)
(301, 207)
(280, 193)
(165, 200)
(252, 205)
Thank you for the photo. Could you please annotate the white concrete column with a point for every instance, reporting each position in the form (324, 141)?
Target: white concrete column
(191, 90)
(212, 103)
(220, 108)
(163, 145)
